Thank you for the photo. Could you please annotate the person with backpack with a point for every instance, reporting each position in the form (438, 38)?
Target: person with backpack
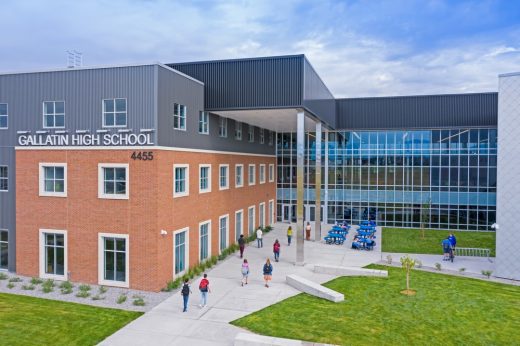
(453, 242)
(446, 249)
(276, 250)
(204, 290)
(289, 235)
(241, 245)
(245, 272)
(185, 293)
(268, 272)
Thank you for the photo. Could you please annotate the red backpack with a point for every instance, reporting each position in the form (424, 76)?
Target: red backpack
(203, 286)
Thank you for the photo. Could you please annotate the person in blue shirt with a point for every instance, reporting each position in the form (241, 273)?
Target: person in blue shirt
(446, 249)
(453, 242)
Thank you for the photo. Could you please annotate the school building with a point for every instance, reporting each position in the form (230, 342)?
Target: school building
(128, 175)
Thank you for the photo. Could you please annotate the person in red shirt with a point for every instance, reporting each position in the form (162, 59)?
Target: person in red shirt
(276, 250)
(204, 290)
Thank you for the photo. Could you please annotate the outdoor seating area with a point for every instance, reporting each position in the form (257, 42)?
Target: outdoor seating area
(338, 234)
(365, 237)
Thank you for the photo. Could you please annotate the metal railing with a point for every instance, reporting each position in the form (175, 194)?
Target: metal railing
(473, 252)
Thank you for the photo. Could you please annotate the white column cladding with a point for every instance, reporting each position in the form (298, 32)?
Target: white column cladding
(300, 146)
(326, 179)
(317, 224)
(508, 182)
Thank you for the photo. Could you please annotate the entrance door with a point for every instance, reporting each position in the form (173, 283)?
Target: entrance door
(286, 212)
(310, 213)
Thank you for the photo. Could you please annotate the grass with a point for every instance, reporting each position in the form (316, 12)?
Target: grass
(34, 321)
(406, 240)
(446, 310)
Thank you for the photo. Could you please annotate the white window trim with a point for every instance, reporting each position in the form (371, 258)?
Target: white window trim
(262, 179)
(254, 219)
(101, 180)
(238, 130)
(207, 123)
(43, 275)
(227, 231)
(44, 193)
(261, 222)
(5, 115)
(204, 165)
(7, 179)
(249, 174)
(242, 177)
(271, 217)
(241, 230)
(5, 230)
(227, 177)
(43, 115)
(187, 192)
(103, 113)
(262, 136)
(271, 173)
(101, 257)
(186, 252)
(251, 134)
(180, 117)
(225, 127)
(209, 242)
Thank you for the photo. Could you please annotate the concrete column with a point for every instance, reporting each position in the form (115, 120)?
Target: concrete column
(300, 146)
(317, 227)
(326, 179)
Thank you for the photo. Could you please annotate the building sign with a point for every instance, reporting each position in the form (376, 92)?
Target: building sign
(85, 139)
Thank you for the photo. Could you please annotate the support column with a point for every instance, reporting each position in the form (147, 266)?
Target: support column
(300, 146)
(326, 180)
(317, 227)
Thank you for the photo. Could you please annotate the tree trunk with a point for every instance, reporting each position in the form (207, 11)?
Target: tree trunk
(408, 279)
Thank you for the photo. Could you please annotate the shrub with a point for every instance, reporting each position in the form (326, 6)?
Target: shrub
(84, 287)
(438, 266)
(28, 287)
(3, 276)
(15, 279)
(487, 273)
(36, 281)
(462, 270)
(10, 285)
(66, 287)
(82, 294)
(48, 286)
(121, 299)
(213, 260)
(267, 229)
(389, 259)
(97, 297)
(172, 285)
(102, 290)
(139, 302)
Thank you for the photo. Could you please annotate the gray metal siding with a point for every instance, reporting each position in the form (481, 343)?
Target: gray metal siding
(316, 96)
(408, 112)
(273, 82)
(173, 88)
(7, 203)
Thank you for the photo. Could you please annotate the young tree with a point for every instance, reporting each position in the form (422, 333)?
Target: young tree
(408, 263)
(425, 216)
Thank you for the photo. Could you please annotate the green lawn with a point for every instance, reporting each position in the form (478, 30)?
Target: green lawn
(406, 240)
(447, 310)
(33, 321)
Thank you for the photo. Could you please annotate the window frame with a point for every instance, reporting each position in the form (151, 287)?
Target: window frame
(249, 181)
(270, 210)
(250, 229)
(262, 136)
(42, 261)
(225, 216)
(208, 189)
(222, 127)
(103, 125)
(251, 134)
(220, 187)
(271, 138)
(261, 206)
(181, 115)
(241, 231)
(53, 114)
(101, 180)
(208, 222)
(101, 260)
(6, 116)
(241, 175)
(5, 178)
(238, 130)
(261, 177)
(42, 191)
(271, 173)
(186, 251)
(204, 122)
(187, 180)
(7, 242)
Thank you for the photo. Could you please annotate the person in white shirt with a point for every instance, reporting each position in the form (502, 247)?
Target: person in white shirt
(259, 239)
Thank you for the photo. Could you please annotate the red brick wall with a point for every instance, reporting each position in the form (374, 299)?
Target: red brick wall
(150, 209)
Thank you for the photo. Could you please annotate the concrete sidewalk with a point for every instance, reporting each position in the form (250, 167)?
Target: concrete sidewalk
(166, 324)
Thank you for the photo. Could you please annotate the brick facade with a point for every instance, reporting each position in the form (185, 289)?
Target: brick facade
(150, 208)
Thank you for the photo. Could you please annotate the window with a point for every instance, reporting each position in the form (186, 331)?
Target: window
(271, 212)
(204, 240)
(223, 222)
(251, 219)
(4, 178)
(114, 254)
(180, 256)
(239, 216)
(222, 127)
(53, 179)
(53, 114)
(4, 249)
(3, 116)
(180, 180)
(53, 254)
(114, 113)
(261, 215)
(271, 173)
(204, 123)
(239, 175)
(262, 136)
(223, 177)
(262, 174)
(251, 175)
(238, 130)
(113, 181)
(204, 178)
(271, 137)
(251, 134)
(179, 116)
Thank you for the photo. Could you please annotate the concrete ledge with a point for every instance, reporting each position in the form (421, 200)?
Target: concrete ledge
(314, 289)
(244, 339)
(348, 271)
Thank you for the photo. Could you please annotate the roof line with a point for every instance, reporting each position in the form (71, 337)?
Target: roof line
(179, 73)
(238, 59)
(65, 69)
(426, 95)
(319, 77)
(509, 74)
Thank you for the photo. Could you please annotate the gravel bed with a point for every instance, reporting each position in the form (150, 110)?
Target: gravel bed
(107, 299)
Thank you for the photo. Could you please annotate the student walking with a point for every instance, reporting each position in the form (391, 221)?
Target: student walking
(446, 249)
(185, 293)
(259, 240)
(204, 290)
(242, 245)
(245, 272)
(276, 250)
(289, 235)
(268, 272)
(453, 242)
(308, 231)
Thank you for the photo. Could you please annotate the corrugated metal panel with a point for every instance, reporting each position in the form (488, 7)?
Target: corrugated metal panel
(7, 202)
(316, 96)
(407, 112)
(272, 82)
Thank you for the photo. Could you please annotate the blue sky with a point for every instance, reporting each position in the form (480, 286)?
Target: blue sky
(360, 48)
